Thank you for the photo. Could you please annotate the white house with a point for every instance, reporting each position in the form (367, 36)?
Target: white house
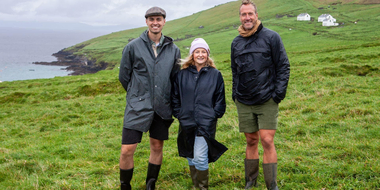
(329, 22)
(303, 17)
(324, 17)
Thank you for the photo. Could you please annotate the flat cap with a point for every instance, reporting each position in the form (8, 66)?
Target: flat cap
(155, 11)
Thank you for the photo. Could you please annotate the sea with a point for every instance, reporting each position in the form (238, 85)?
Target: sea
(19, 48)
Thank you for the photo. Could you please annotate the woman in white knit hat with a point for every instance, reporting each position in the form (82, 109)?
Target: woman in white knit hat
(198, 100)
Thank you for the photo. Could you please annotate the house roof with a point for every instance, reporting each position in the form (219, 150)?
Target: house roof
(329, 20)
(324, 15)
(303, 14)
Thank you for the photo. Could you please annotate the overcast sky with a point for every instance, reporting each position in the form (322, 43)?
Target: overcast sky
(129, 13)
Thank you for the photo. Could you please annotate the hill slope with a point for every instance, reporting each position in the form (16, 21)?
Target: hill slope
(223, 20)
(65, 133)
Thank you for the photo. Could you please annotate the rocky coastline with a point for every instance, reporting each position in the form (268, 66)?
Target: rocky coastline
(79, 65)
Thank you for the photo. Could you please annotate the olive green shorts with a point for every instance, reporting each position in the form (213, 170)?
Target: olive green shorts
(252, 118)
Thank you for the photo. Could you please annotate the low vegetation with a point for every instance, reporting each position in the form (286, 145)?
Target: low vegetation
(65, 132)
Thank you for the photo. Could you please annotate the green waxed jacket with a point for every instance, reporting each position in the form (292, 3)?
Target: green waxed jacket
(148, 81)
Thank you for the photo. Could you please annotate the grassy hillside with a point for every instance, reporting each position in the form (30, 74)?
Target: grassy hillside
(65, 133)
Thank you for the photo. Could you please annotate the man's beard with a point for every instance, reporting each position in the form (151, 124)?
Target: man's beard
(253, 25)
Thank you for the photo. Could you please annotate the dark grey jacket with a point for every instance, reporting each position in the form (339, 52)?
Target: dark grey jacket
(148, 81)
(260, 68)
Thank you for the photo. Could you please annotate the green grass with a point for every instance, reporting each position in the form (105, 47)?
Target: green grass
(65, 132)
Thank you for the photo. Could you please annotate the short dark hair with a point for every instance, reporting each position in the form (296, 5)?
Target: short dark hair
(248, 2)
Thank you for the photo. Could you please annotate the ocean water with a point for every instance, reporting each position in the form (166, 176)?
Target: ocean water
(19, 48)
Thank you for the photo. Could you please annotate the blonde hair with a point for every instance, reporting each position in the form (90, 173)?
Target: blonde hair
(248, 2)
(188, 61)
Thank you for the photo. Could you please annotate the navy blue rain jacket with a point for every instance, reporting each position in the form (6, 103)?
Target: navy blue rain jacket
(198, 100)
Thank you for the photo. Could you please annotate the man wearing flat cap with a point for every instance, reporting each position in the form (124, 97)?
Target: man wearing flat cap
(147, 68)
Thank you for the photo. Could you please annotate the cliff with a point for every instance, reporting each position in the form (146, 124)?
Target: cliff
(80, 65)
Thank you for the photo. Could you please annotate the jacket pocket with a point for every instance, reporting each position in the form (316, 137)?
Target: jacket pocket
(183, 115)
(140, 103)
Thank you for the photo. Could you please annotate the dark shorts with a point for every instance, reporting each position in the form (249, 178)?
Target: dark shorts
(159, 129)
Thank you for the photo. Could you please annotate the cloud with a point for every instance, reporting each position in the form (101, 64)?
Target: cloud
(97, 12)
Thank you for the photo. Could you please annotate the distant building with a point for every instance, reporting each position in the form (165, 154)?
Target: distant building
(303, 17)
(325, 17)
(329, 22)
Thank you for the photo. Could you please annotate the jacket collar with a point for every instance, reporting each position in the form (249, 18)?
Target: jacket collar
(260, 28)
(254, 36)
(145, 38)
(193, 69)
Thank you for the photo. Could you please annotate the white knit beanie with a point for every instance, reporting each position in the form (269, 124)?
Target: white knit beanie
(199, 43)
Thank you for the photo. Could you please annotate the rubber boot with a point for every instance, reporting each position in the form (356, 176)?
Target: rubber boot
(270, 175)
(251, 167)
(193, 174)
(125, 179)
(202, 179)
(151, 178)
